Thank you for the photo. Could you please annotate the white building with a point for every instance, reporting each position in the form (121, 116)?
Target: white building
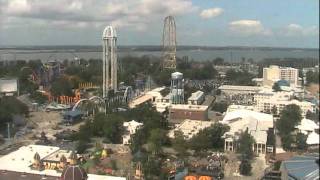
(130, 129)
(155, 97)
(8, 87)
(234, 107)
(265, 99)
(236, 90)
(267, 105)
(309, 128)
(196, 98)
(274, 73)
(257, 124)
(189, 128)
(22, 159)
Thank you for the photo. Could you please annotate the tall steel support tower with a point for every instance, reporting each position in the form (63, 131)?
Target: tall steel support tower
(110, 62)
(169, 43)
(177, 88)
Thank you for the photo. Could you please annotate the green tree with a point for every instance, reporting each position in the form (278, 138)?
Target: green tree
(274, 110)
(245, 167)
(10, 106)
(158, 137)
(179, 144)
(209, 138)
(287, 141)
(312, 77)
(245, 143)
(218, 61)
(61, 87)
(276, 87)
(239, 77)
(312, 116)
(38, 97)
(290, 117)
(301, 141)
(220, 106)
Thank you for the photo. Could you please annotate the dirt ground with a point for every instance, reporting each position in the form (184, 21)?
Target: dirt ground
(232, 168)
(39, 121)
(49, 122)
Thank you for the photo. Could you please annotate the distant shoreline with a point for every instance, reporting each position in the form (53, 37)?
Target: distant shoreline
(96, 48)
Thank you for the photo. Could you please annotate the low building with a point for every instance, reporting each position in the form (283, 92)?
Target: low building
(130, 129)
(196, 98)
(311, 129)
(8, 87)
(229, 90)
(187, 111)
(267, 105)
(256, 123)
(189, 128)
(300, 167)
(156, 96)
(234, 107)
(22, 162)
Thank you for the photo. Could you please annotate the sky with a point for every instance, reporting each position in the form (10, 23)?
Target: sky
(274, 23)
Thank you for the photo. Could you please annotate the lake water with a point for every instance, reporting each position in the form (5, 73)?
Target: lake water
(198, 55)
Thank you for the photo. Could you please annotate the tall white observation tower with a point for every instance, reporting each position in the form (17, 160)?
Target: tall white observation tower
(110, 62)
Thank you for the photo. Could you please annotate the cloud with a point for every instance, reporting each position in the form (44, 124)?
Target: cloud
(136, 14)
(210, 13)
(248, 27)
(298, 30)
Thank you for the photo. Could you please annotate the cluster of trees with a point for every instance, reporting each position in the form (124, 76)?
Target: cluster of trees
(290, 117)
(87, 71)
(245, 143)
(243, 78)
(276, 87)
(196, 70)
(312, 77)
(209, 138)
(313, 116)
(220, 106)
(61, 87)
(107, 126)
(290, 62)
(10, 106)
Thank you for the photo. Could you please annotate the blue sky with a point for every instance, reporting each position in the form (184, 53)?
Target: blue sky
(277, 23)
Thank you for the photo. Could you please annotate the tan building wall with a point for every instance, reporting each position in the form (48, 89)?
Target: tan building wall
(188, 114)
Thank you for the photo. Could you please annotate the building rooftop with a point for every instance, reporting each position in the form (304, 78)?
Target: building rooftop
(19, 161)
(313, 139)
(8, 85)
(189, 128)
(55, 156)
(302, 167)
(243, 113)
(256, 123)
(140, 100)
(307, 125)
(189, 107)
(243, 88)
(195, 96)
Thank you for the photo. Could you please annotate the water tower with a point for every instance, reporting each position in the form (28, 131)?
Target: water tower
(177, 88)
